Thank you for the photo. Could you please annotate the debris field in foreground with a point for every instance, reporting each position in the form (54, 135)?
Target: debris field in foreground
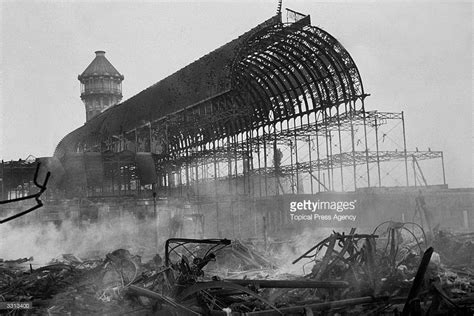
(383, 273)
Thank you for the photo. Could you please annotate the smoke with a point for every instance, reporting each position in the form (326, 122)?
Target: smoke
(45, 240)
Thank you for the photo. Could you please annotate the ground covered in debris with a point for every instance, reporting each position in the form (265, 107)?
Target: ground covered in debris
(397, 269)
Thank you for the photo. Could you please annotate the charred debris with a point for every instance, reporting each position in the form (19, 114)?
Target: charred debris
(396, 270)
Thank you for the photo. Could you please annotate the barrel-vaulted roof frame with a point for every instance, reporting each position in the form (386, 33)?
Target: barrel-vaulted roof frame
(281, 71)
(324, 74)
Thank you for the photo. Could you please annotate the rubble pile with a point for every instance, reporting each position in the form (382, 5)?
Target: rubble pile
(456, 250)
(241, 259)
(383, 273)
(68, 285)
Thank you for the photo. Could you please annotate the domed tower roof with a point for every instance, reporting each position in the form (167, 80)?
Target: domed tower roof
(101, 85)
(100, 66)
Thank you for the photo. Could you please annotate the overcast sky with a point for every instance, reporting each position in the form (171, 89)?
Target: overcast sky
(413, 57)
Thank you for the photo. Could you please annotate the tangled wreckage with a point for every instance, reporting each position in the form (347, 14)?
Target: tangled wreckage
(384, 273)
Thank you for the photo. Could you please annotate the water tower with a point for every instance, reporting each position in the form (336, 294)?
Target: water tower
(101, 85)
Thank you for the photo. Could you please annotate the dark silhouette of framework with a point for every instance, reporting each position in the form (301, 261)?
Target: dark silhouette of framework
(36, 196)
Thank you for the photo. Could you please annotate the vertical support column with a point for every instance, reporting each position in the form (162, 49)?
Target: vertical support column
(229, 165)
(155, 217)
(236, 170)
(217, 219)
(296, 161)
(277, 170)
(265, 232)
(377, 149)
(247, 163)
(366, 145)
(166, 168)
(351, 118)
(317, 153)
(328, 149)
(180, 181)
(112, 178)
(3, 182)
(442, 165)
(331, 176)
(259, 164)
(405, 148)
(291, 168)
(265, 161)
(219, 150)
(310, 164)
(136, 140)
(215, 167)
(120, 176)
(340, 147)
(414, 171)
(203, 165)
(249, 152)
(188, 185)
(197, 178)
(244, 157)
(150, 135)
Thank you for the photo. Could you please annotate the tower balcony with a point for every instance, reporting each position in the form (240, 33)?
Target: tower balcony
(102, 91)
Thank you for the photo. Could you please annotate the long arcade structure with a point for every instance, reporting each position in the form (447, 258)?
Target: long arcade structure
(279, 110)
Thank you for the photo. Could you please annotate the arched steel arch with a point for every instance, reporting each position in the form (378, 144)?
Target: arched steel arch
(295, 65)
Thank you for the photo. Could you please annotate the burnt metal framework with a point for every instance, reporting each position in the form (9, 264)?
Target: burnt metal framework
(336, 153)
(36, 196)
(293, 120)
(16, 178)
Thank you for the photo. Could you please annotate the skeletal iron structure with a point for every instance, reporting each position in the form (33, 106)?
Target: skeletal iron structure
(279, 110)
